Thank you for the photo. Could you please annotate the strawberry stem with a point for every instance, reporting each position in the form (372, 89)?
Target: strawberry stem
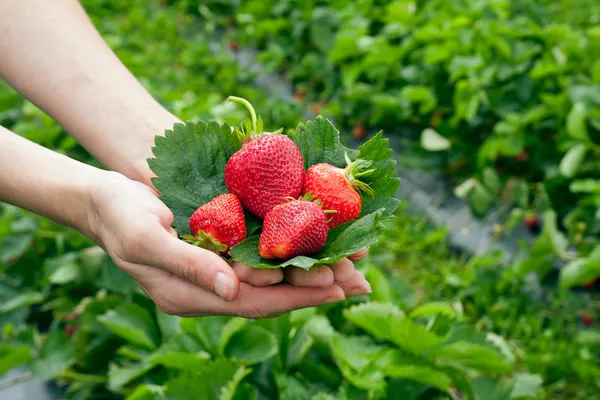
(358, 169)
(249, 107)
(205, 241)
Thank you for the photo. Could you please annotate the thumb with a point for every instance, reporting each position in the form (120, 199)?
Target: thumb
(196, 265)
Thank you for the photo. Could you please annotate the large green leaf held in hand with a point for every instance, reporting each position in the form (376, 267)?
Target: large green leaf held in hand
(190, 163)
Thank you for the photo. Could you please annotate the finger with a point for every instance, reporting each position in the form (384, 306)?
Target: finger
(319, 276)
(343, 270)
(357, 286)
(257, 277)
(196, 265)
(176, 296)
(359, 255)
(184, 299)
(271, 301)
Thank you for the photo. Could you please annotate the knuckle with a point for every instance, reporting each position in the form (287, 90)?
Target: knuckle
(188, 270)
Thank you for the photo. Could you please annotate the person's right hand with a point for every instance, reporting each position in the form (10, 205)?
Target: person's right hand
(134, 227)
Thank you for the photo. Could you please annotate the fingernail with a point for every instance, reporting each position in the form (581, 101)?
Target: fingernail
(224, 286)
(365, 288)
(334, 299)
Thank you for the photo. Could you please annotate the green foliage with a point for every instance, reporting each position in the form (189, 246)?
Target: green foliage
(491, 78)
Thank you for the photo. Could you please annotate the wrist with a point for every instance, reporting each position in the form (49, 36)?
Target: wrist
(134, 164)
(98, 192)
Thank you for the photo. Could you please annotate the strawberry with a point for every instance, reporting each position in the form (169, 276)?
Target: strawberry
(267, 169)
(337, 188)
(70, 330)
(298, 227)
(588, 319)
(359, 130)
(218, 225)
(532, 222)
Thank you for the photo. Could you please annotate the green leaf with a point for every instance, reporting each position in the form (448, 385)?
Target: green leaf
(375, 318)
(581, 270)
(14, 246)
(299, 346)
(217, 380)
(189, 164)
(385, 321)
(571, 161)
(13, 356)
(119, 376)
(148, 392)
(132, 323)
(342, 241)
(382, 181)
(527, 386)
(463, 190)
(576, 122)
(319, 142)
(251, 345)
(56, 355)
(418, 369)
(491, 181)
(488, 388)
(471, 355)
(214, 333)
(433, 141)
(358, 359)
(434, 308)
(585, 186)
(65, 273)
(167, 324)
(231, 328)
(22, 300)
(179, 360)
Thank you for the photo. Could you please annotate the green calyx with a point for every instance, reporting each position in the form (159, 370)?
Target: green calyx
(253, 128)
(308, 196)
(206, 241)
(358, 169)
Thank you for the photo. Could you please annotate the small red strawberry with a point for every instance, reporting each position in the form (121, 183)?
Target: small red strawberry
(266, 170)
(590, 284)
(588, 319)
(359, 130)
(219, 224)
(338, 188)
(532, 222)
(295, 228)
(70, 330)
(233, 46)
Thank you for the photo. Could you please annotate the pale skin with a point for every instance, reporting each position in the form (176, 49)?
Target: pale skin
(53, 55)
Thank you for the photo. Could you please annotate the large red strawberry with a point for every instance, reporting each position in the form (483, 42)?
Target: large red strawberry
(267, 169)
(295, 228)
(338, 188)
(219, 224)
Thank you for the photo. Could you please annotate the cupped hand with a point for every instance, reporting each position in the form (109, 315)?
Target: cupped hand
(134, 227)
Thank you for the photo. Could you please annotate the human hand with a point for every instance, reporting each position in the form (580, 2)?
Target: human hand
(134, 227)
